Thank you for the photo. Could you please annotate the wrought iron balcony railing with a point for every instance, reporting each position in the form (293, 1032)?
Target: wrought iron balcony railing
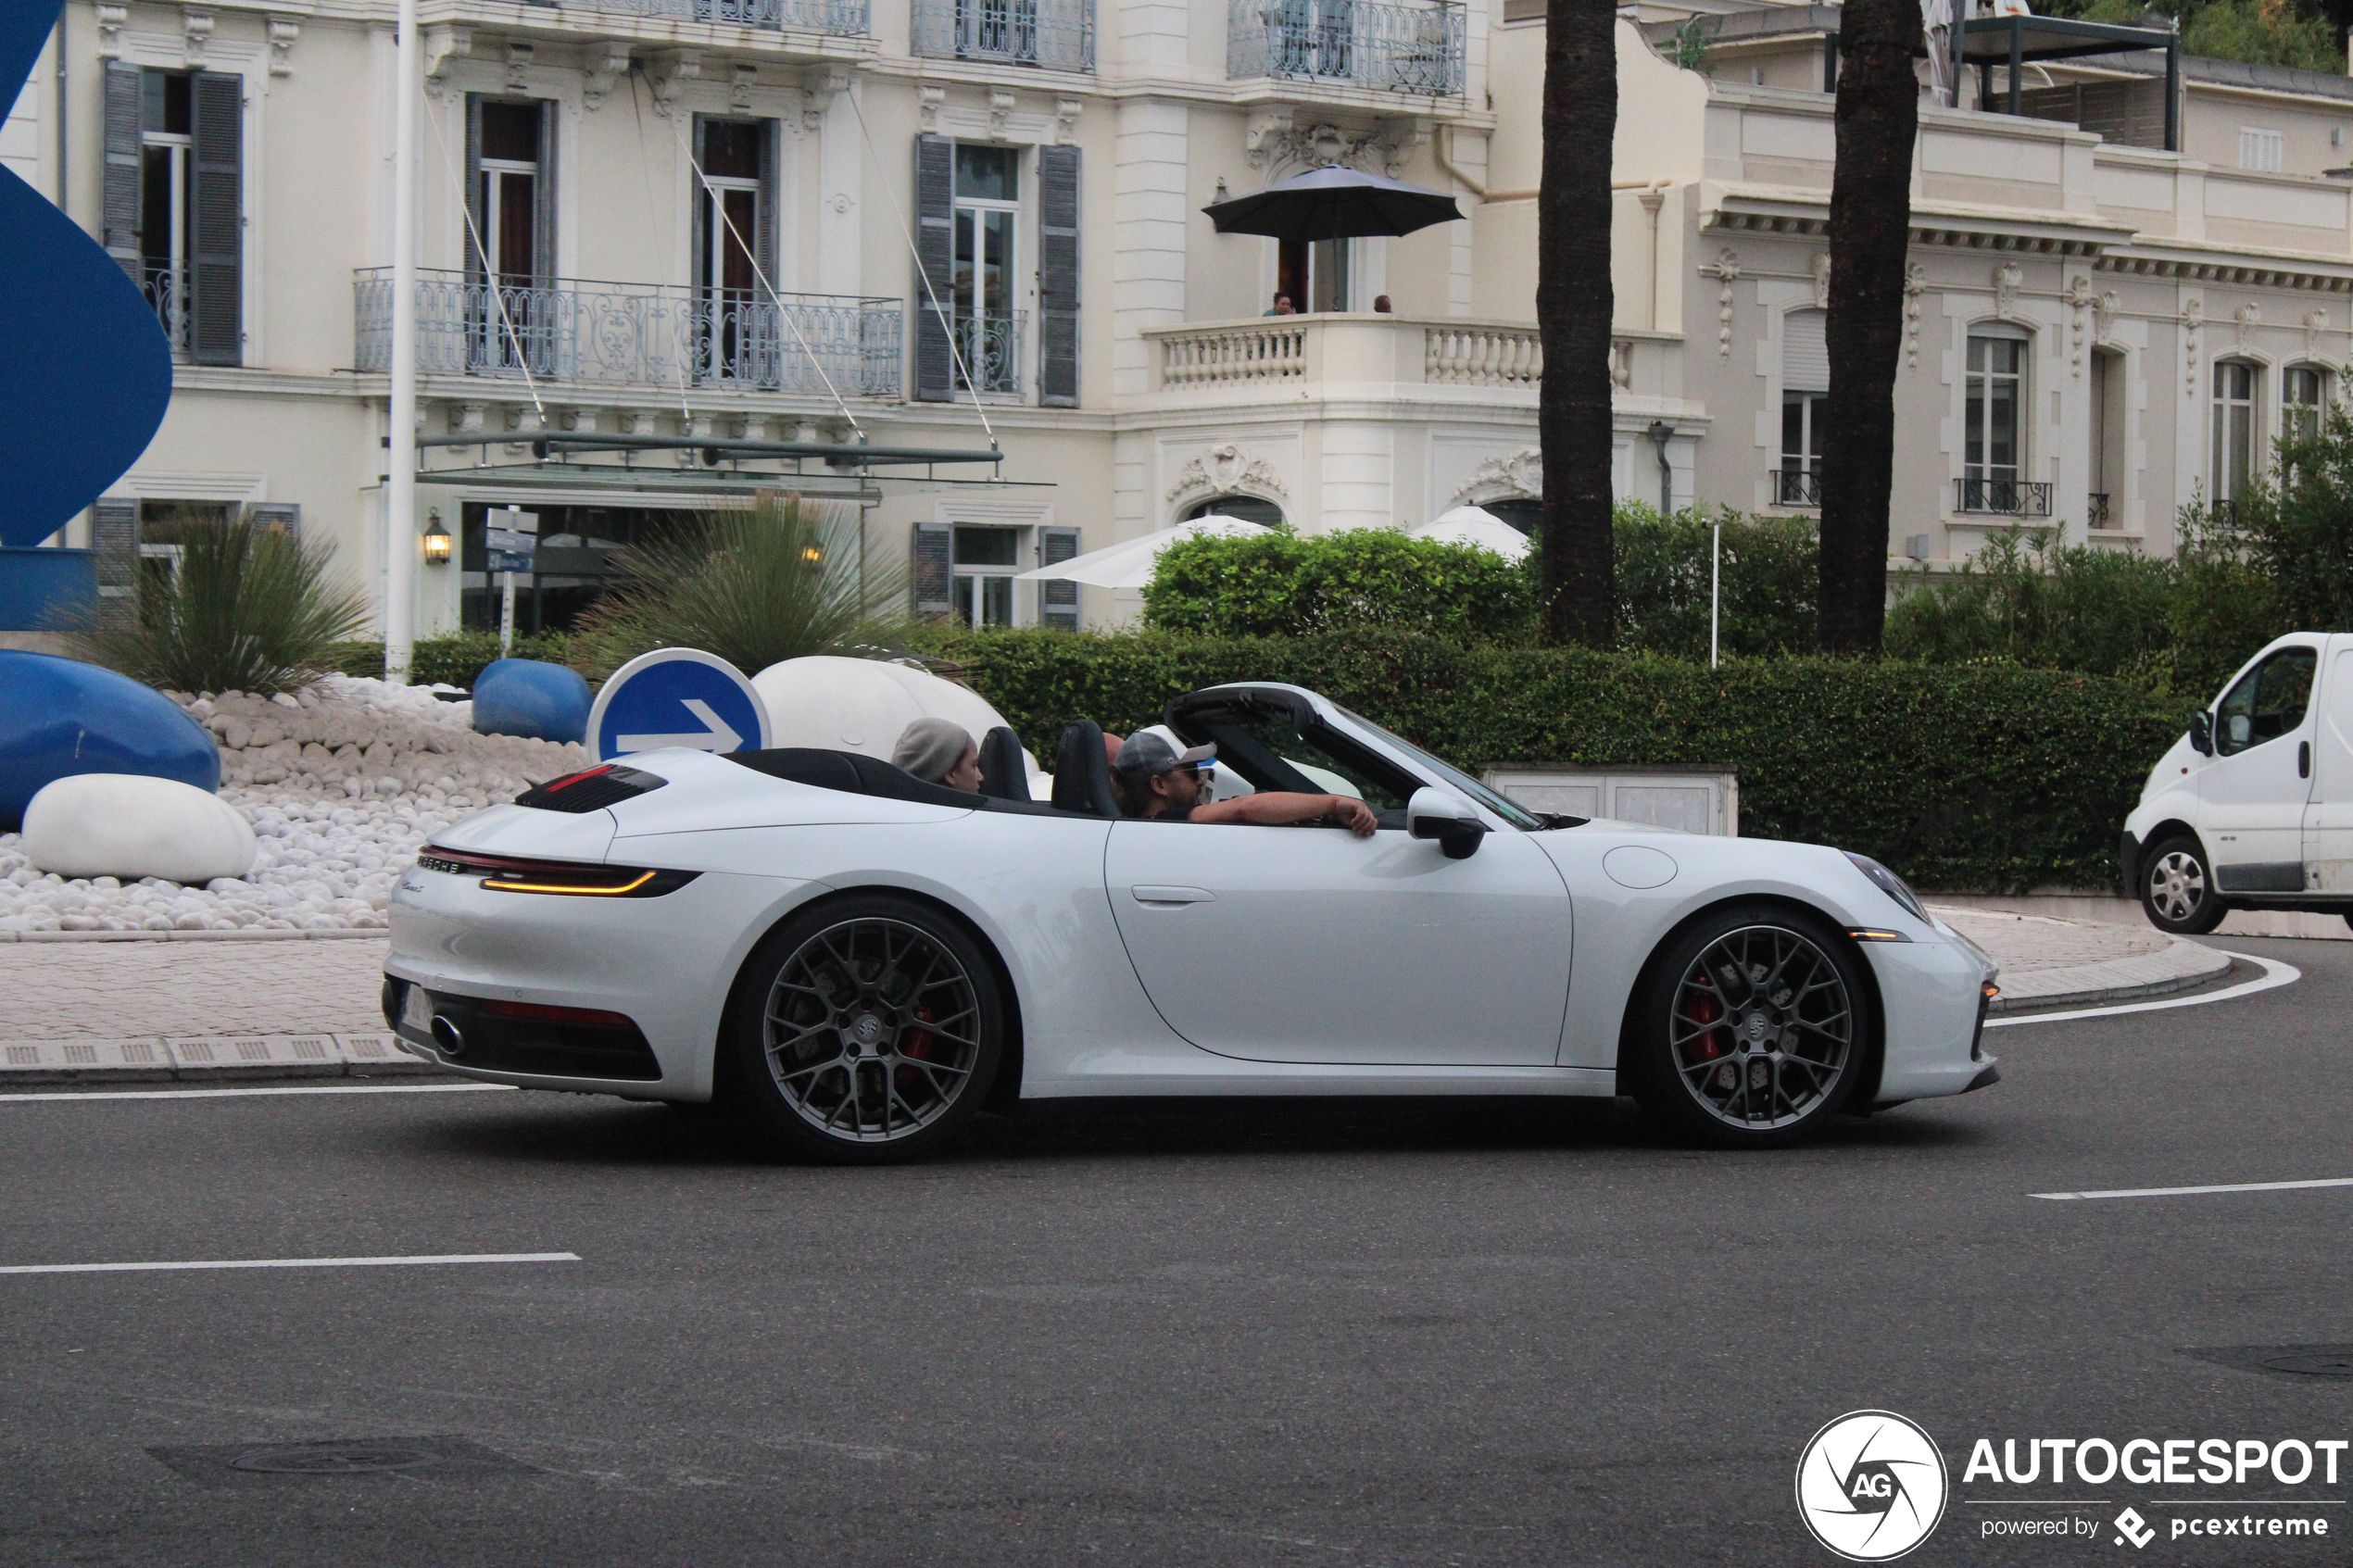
(2003, 497)
(640, 335)
(990, 348)
(1796, 487)
(167, 292)
(2096, 512)
(2225, 513)
(1053, 35)
(836, 19)
(1402, 48)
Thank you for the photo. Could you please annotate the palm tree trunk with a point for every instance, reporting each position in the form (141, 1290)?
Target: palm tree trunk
(1573, 309)
(1869, 235)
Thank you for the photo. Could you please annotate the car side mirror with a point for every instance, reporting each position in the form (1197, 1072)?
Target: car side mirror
(1442, 815)
(2201, 733)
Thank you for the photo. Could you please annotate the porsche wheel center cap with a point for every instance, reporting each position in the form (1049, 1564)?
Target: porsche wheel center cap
(866, 1031)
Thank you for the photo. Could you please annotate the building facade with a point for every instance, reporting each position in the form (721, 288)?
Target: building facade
(953, 224)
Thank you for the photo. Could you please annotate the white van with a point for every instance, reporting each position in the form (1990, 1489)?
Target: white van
(2253, 808)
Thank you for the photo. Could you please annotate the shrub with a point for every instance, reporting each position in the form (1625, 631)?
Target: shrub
(754, 587)
(2053, 607)
(1985, 779)
(1770, 568)
(241, 610)
(458, 658)
(1284, 585)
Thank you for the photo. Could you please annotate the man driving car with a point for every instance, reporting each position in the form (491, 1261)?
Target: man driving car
(1157, 782)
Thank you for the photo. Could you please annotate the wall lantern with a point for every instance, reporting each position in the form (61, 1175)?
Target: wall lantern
(436, 541)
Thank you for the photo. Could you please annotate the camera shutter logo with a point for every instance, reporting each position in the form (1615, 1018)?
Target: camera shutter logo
(1870, 1485)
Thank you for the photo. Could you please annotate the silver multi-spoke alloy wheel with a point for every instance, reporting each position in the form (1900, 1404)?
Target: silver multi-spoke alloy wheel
(1761, 1028)
(2177, 887)
(872, 1030)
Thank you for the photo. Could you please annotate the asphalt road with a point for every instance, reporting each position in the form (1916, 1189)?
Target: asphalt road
(1397, 1335)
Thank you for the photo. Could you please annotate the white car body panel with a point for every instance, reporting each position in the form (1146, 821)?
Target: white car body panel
(1330, 965)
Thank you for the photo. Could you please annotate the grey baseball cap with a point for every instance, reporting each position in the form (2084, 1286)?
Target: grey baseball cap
(1145, 754)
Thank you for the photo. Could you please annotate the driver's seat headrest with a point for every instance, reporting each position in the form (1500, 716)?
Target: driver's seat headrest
(1082, 773)
(1003, 774)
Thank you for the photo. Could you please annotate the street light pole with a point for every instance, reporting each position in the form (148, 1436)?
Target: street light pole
(1715, 583)
(400, 483)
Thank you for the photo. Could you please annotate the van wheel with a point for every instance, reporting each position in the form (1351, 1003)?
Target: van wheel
(2177, 889)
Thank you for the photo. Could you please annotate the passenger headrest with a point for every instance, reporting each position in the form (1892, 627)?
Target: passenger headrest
(1082, 773)
(1003, 775)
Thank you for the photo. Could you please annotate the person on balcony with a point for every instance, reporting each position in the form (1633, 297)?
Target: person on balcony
(1282, 306)
(1380, 305)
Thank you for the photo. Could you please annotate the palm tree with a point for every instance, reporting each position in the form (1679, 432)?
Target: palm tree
(1869, 235)
(1573, 309)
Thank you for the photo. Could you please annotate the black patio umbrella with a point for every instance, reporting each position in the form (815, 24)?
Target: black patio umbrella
(1333, 203)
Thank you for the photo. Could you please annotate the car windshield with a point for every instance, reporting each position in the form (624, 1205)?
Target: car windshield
(1454, 776)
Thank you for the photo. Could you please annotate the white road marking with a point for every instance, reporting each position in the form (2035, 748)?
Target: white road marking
(296, 1263)
(2275, 974)
(2191, 1192)
(230, 1094)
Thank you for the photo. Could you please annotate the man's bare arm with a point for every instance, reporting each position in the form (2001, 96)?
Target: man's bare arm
(1276, 807)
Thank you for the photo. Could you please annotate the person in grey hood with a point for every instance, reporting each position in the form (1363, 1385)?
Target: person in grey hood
(940, 751)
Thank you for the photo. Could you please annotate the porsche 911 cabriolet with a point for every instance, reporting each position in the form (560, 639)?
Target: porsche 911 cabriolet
(861, 962)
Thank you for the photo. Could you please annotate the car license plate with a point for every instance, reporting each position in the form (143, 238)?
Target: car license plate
(416, 1009)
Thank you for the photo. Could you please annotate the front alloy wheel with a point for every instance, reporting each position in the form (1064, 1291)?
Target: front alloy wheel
(868, 1031)
(1756, 1029)
(2177, 890)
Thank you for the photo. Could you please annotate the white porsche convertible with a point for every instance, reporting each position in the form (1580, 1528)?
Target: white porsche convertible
(861, 962)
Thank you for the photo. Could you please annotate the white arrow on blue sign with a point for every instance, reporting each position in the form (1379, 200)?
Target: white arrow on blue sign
(680, 697)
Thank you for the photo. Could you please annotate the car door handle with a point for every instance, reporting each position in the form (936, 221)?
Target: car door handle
(1171, 897)
(2304, 759)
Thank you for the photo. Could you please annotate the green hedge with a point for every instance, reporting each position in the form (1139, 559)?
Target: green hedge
(1964, 778)
(456, 659)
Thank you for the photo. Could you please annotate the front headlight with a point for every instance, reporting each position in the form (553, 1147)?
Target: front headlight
(1887, 881)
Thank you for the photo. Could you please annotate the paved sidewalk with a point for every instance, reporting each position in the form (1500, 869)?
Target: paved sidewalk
(211, 1010)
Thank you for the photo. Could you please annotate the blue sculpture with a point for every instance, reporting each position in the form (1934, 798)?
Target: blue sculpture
(59, 716)
(524, 696)
(84, 370)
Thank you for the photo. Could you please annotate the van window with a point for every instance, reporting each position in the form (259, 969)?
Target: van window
(2268, 702)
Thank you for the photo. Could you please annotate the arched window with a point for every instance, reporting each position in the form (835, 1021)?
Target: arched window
(1805, 384)
(1250, 508)
(2237, 385)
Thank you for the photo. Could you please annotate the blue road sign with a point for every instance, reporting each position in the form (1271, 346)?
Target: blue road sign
(677, 697)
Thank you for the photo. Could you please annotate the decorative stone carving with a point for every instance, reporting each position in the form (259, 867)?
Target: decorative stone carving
(668, 71)
(442, 42)
(742, 79)
(2007, 280)
(284, 31)
(633, 421)
(2079, 305)
(1274, 142)
(605, 64)
(1726, 270)
(1000, 116)
(196, 31)
(2246, 315)
(111, 20)
(1066, 120)
(1519, 477)
(2192, 318)
(825, 85)
(1915, 285)
(2315, 323)
(1226, 470)
(465, 419)
(2104, 312)
(1263, 134)
(928, 103)
(1395, 144)
(518, 64)
(1822, 281)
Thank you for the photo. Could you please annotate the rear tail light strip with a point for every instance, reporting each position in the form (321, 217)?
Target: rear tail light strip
(506, 874)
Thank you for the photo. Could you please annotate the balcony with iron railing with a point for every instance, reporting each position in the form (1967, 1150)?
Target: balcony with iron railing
(167, 292)
(2003, 497)
(989, 353)
(1048, 34)
(1366, 43)
(2096, 509)
(833, 19)
(637, 334)
(1796, 487)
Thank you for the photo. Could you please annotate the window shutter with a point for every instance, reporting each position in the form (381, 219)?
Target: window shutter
(119, 206)
(930, 572)
(935, 245)
(698, 203)
(1806, 355)
(763, 239)
(1058, 276)
(114, 531)
(1056, 602)
(276, 516)
(216, 286)
(543, 192)
(477, 265)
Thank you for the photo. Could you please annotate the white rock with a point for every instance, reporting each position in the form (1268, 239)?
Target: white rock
(106, 825)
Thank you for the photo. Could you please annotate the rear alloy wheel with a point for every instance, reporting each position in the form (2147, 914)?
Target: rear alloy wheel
(1752, 1030)
(2177, 889)
(866, 1031)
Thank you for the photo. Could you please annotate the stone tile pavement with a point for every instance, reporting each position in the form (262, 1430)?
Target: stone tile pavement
(2046, 960)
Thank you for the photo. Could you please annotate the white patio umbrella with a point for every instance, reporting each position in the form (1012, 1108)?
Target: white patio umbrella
(1475, 525)
(1131, 565)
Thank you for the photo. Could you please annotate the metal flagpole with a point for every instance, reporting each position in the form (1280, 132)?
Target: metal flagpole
(1715, 583)
(401, 485)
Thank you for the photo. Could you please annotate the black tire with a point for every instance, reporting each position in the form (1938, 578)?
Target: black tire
(865, 1031)
(2177, 889)
(1751, 1029)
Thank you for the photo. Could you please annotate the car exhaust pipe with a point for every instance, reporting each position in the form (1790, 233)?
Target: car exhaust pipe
(448, 1036)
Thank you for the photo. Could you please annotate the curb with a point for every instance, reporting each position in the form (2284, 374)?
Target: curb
(2193, 963)
(340, 935)
(210, 1060)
